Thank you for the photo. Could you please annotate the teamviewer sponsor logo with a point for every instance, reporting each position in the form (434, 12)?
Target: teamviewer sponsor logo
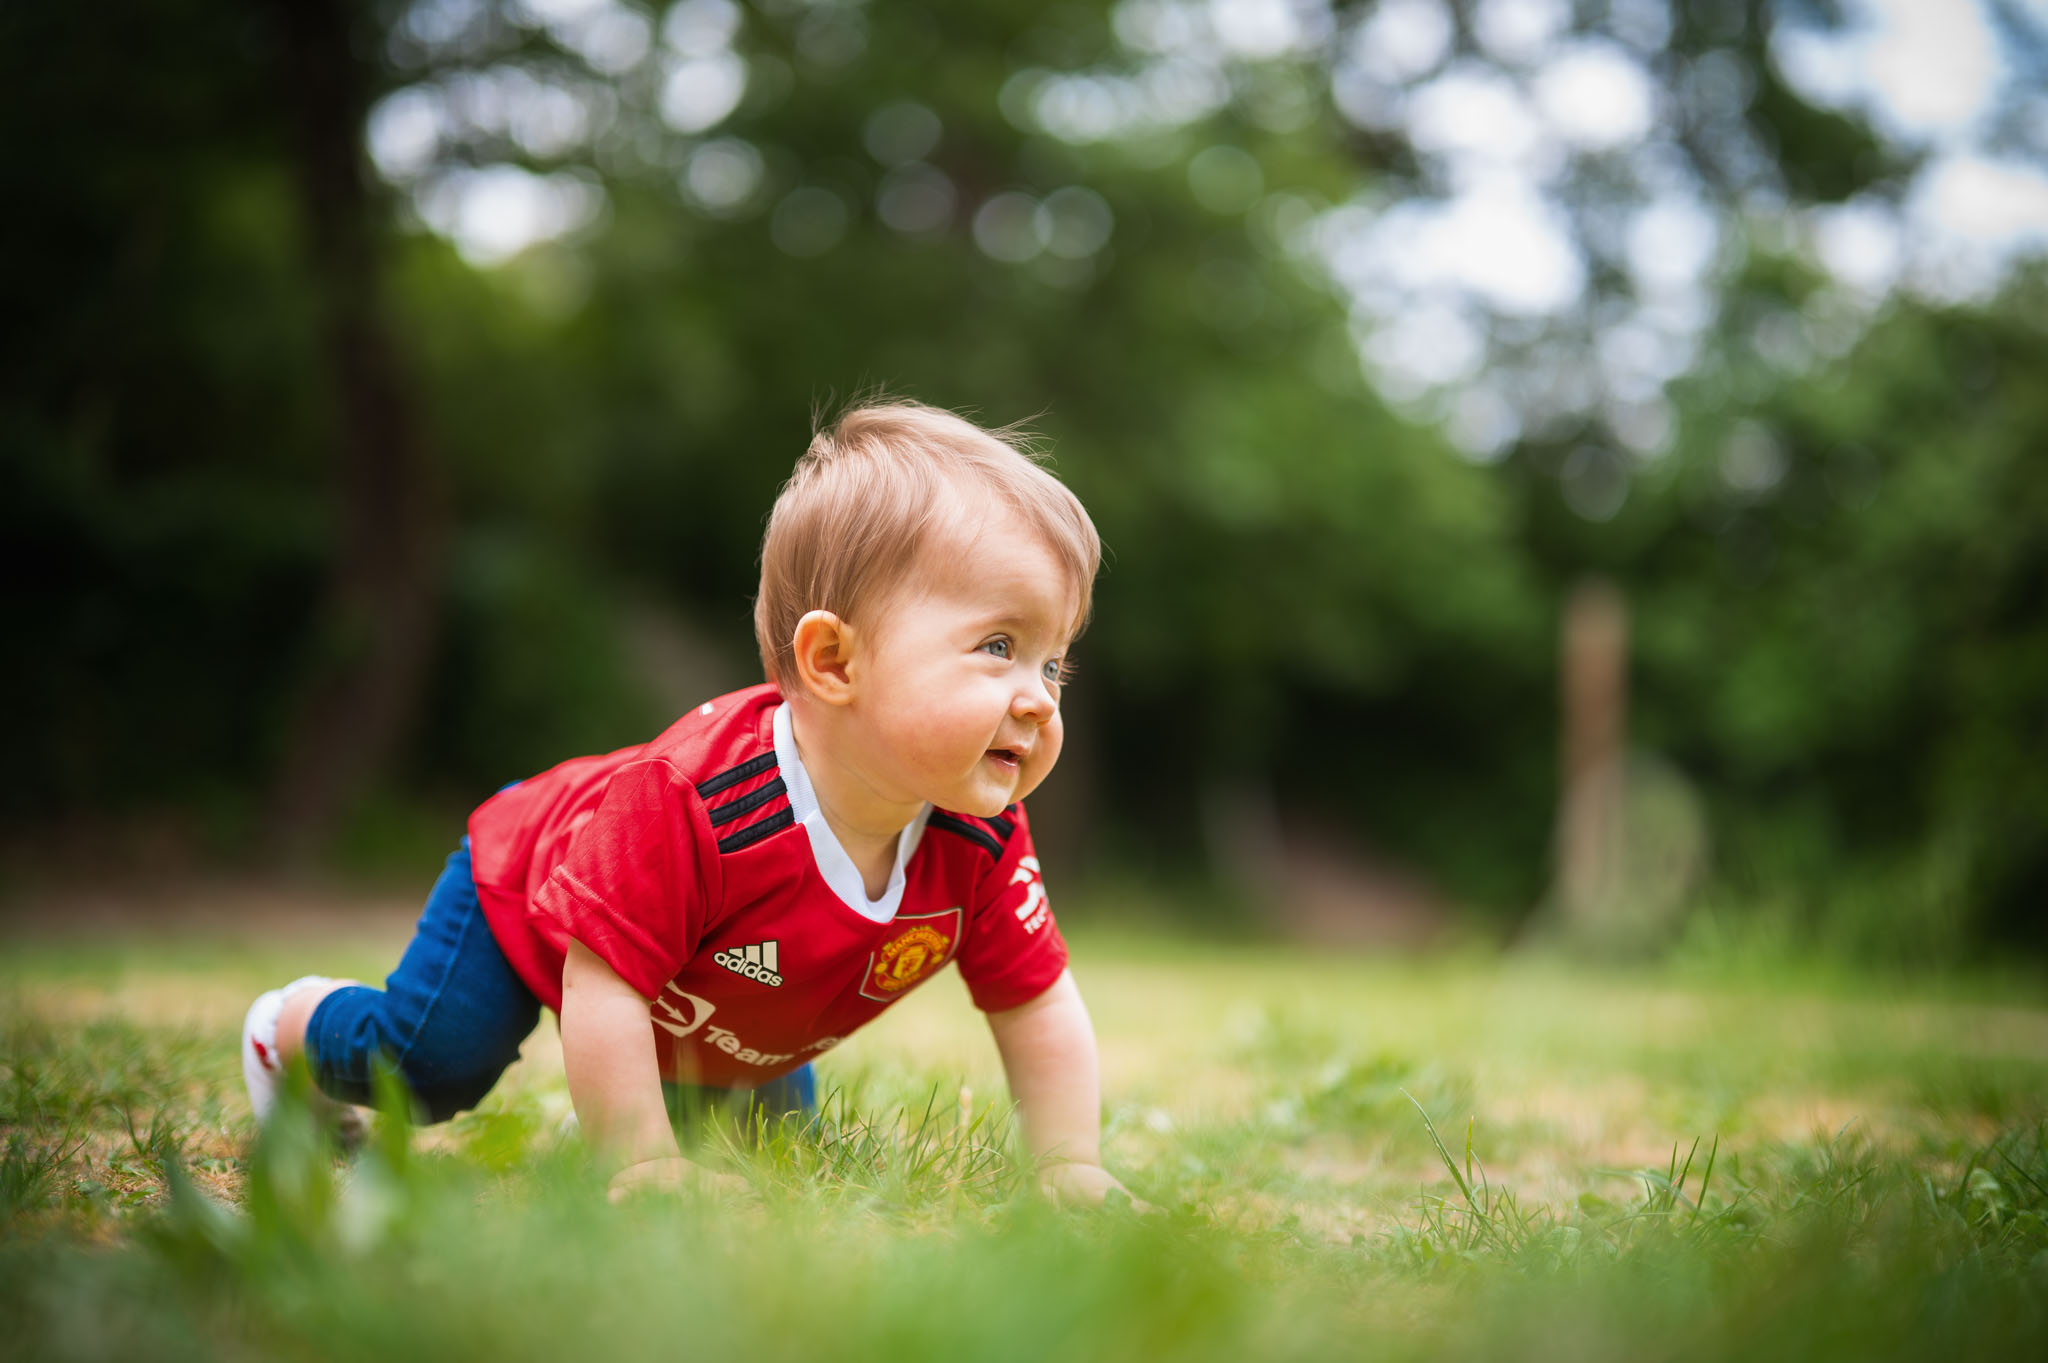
(686, 1019)
(1033, 912)
(756, 962)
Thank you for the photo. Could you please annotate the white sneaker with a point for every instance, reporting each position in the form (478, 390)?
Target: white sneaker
(263, 1070)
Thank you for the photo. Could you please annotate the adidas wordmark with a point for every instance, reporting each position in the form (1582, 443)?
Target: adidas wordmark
(756, 962)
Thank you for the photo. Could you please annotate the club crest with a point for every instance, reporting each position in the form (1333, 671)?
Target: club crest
(921, 946)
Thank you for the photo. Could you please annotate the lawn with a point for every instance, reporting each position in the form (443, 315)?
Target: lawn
(1464, 1156)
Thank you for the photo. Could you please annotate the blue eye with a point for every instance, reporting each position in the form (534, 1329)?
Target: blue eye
(1001, 647)
(1058, 672)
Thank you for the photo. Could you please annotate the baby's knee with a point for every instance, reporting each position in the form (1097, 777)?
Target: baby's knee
(450, 1096)
(446, 1081)
(444, 1070)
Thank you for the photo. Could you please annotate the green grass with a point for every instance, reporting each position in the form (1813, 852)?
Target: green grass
(1406, 1159)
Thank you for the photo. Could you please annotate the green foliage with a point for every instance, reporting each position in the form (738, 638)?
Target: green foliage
(1307, 593)
(28, 1173)
(534, 668)
(1842, 663)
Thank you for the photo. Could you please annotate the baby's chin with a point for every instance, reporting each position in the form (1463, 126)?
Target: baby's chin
(987, 807)
(1016, 796)
(980, 809)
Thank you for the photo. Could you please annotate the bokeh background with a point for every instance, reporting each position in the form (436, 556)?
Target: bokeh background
(1572, 469)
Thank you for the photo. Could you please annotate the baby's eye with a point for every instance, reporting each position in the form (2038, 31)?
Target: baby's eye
(1059, 672)
(999, 648)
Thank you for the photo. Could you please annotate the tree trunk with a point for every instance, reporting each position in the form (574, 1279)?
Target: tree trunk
(1595, 696)
(377, 624)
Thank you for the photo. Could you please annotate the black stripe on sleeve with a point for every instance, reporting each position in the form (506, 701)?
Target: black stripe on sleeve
(753, 799)
(972, 832)
(1004, 827)
(742, 772)
(754, 832)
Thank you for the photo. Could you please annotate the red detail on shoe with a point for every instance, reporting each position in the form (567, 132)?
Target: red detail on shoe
(263, 1054)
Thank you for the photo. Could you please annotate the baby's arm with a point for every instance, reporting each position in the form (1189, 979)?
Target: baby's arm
(1048, 1050)
(608, 1052)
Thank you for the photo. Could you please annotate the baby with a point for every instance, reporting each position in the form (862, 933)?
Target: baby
(715, 908)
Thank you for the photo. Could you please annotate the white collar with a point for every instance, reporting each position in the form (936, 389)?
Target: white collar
(841, 875)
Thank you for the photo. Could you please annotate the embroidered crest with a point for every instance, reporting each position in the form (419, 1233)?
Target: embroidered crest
(924, 944)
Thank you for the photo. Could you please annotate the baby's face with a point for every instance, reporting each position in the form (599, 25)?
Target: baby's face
(957, 698)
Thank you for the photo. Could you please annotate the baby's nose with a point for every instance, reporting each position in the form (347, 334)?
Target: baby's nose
(1034, 702)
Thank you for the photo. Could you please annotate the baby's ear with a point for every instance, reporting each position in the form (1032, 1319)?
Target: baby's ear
(824, 646)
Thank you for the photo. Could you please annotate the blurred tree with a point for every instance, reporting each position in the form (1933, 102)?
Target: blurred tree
(161, 401)
(1846, 605)
(376, 636)
(552, 349)
(868, 210)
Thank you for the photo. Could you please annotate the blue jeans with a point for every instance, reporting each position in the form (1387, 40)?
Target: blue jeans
(451, 1017)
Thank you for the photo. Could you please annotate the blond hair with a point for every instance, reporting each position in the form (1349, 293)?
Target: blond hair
(870, 497)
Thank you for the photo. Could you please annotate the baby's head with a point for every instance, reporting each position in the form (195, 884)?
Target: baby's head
(921, 582)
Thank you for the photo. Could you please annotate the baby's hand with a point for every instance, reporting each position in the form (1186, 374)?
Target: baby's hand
(1086, 1185)
(672, 1175)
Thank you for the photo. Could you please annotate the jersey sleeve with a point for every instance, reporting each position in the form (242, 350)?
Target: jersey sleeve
(633, 883)
(1013, 950)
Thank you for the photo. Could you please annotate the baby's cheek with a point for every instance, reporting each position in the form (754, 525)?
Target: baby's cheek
(938, 741)
(1044, 753)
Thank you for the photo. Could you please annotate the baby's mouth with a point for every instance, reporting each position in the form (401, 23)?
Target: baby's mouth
(1007, 756)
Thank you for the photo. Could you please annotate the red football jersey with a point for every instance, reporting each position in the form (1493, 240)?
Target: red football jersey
(699, 868)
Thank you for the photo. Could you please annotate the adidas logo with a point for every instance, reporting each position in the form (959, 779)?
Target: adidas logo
(756, 962)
